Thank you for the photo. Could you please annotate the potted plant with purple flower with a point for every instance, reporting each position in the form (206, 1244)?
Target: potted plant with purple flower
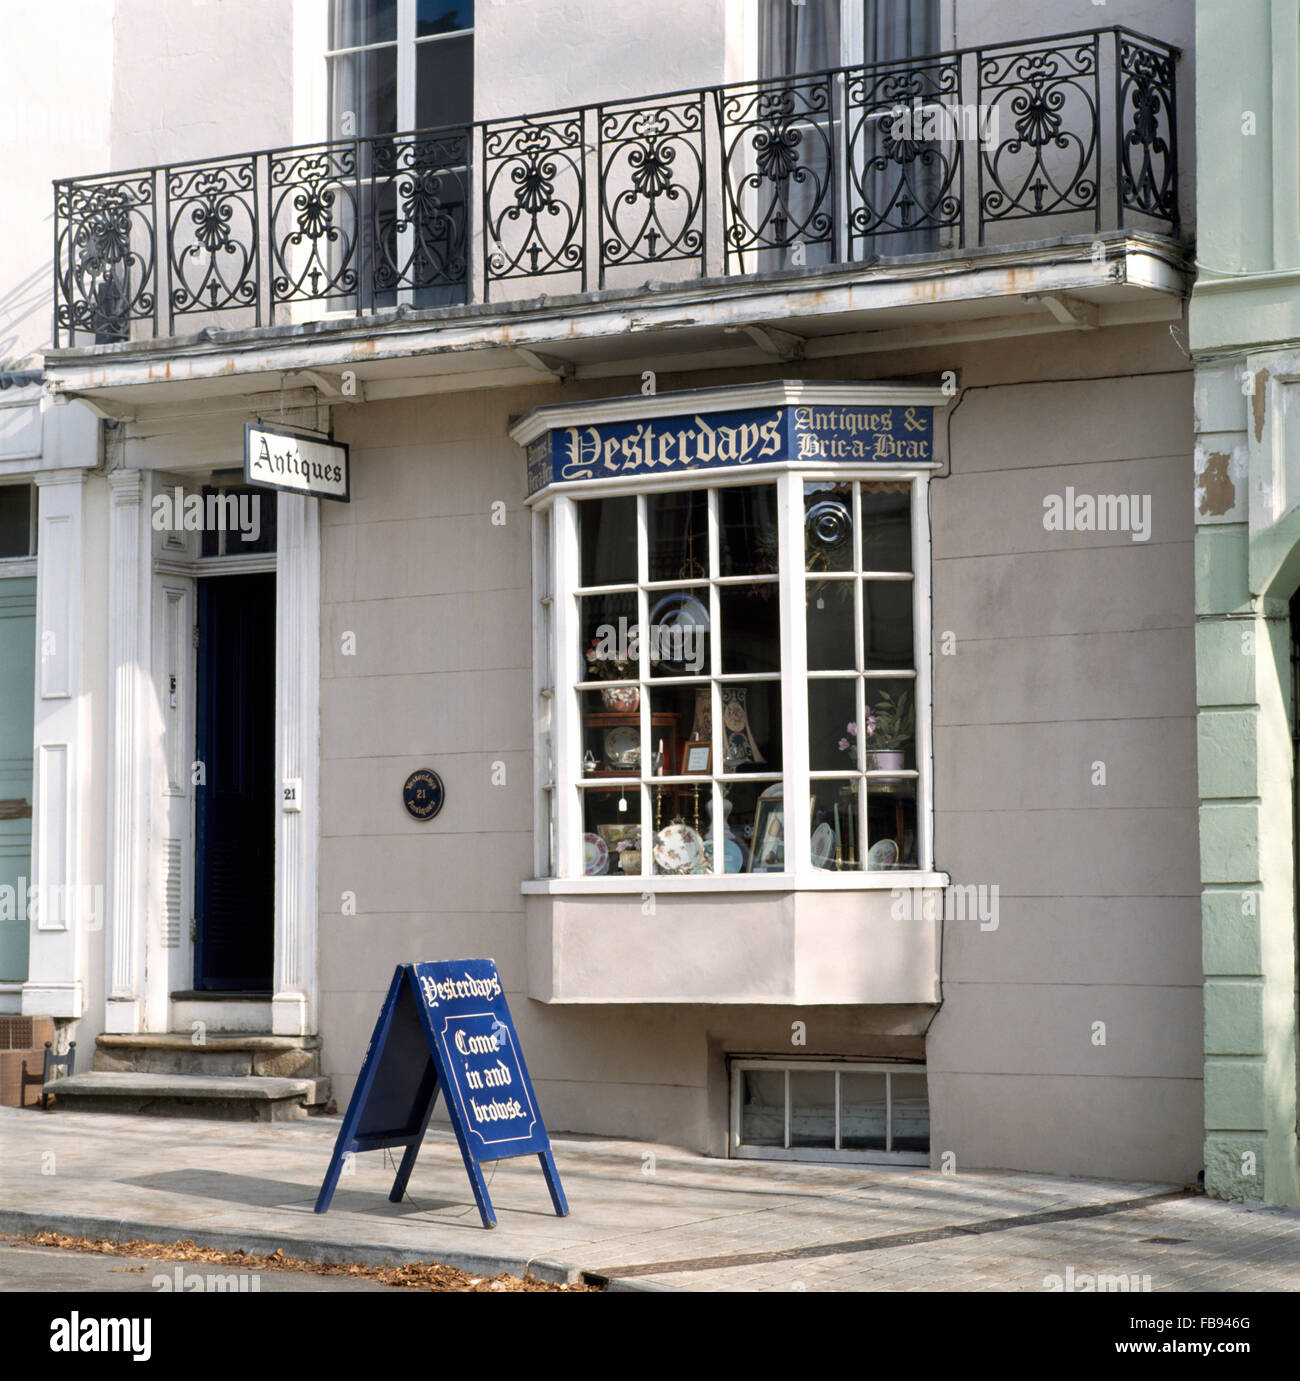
(889, 726)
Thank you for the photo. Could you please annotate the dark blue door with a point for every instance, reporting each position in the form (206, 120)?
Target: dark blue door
(235, 796)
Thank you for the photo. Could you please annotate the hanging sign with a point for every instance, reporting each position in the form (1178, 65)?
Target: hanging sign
(886, 434)
(296, 462)
(445, 1027)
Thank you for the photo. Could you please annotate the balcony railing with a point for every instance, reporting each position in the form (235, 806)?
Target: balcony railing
(1075, 133)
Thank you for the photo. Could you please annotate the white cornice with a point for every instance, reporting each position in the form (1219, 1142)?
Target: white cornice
(784, 392)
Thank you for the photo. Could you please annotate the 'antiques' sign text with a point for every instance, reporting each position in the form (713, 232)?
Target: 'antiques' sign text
(275, 458)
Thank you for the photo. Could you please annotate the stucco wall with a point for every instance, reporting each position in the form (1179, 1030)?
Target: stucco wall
(55, 76)
(1071, 649)
(200, 80)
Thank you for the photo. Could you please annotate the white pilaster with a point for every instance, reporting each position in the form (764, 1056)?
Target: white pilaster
(55, 983)
(297, 736)
(128, 661)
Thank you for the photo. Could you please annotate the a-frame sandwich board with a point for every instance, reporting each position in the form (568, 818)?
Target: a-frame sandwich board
(445, 1027)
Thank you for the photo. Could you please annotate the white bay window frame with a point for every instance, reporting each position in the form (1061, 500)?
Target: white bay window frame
(556, 603)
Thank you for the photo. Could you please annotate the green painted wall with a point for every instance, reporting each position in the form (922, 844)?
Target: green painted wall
(17, 701)
(1244, 331)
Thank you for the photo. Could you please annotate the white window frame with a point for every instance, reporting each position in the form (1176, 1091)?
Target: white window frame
(406, 42)
(555, 686)
(737, 1150)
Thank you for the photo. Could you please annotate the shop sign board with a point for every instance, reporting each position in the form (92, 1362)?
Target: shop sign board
(884, 434)
(445, 1028)
(296, 462)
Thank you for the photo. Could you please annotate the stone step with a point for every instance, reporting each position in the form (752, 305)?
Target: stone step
(222, 1054)
(243, 1098)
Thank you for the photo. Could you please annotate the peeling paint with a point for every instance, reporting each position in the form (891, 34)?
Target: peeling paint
(1216, 492)
(1257, 403)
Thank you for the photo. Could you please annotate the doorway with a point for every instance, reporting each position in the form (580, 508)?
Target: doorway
(234, 892)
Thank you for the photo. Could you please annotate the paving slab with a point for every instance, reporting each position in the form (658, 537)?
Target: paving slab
(695, 1223)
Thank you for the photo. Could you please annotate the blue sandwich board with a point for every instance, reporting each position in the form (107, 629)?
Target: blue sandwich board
(445, 1027)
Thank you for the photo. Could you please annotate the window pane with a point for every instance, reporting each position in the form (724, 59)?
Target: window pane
(835, 827)
(607, 535)
(762, 1107)
(891, 823)
(237, 520)
(674, 713)
(911, 1111)
(833, 730)
(363, 93)
(888, 735)
(15, 519)
(611, 732)
(681, 816)
(608, 625)
(751, 627)
(679, 632)
(611, 834)
(767, 852)
(828, 526)
(739, 806)
(886, 526)
(886, 625)
(747, 530)
(548, 832)
(812, 1109)
(677, 535)
(444, 82)
(443, 16)
(831, 645)
(751, 727)
(355, 23)
(862, 1112)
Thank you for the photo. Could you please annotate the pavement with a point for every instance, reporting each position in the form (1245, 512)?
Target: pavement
(642, 1216)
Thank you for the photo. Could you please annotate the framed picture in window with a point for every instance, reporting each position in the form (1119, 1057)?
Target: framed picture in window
(697, 759)
(767, 854)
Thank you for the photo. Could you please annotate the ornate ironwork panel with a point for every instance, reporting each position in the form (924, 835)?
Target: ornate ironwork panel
(314, 219)
(778, 164)
(1148, 148)
(534, 197)
(418, 189)
(212, 234)
(906, 135)
(1043, 100)
(843, 164)
(105, 255)
(652, 160)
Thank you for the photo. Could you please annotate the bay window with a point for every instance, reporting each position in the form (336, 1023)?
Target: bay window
(732, 675)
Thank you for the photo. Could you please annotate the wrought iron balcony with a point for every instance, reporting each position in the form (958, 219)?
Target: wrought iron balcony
(1075, 133)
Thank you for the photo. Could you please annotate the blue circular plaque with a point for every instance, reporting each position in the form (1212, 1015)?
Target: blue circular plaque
(423, 794)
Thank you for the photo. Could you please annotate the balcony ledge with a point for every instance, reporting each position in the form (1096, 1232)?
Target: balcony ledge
(945, 297)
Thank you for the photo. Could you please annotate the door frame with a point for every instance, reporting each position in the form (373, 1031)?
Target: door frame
(156, 573)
